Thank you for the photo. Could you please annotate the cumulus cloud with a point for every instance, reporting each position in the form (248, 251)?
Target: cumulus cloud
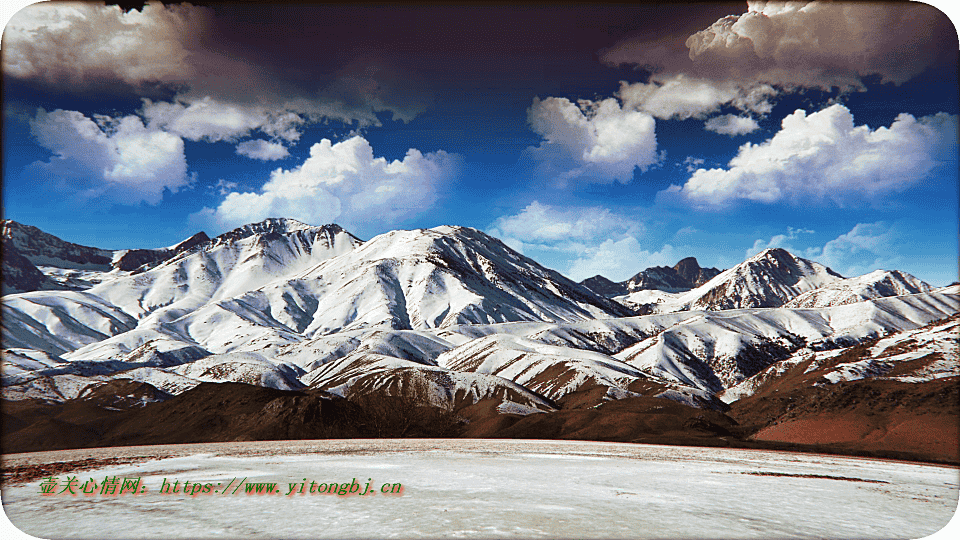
(825, 157)
(581, 242)
(566, 229)
(212, 120)
(681, 96)
(342, 182)
(803, 44)
(821, 44)
(81, 44)
(593, 140)
(744, 61)
(262, 150)
(221, 93)
(117, 159)
(732, 125)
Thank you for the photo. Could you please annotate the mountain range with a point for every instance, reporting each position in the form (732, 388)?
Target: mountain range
(683, 276)
(456, 321)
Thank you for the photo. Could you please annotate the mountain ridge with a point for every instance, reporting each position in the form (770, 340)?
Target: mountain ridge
(453, 318)
(683, 276)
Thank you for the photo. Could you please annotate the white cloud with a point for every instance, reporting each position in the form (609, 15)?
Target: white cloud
(262, 150)
(865, 248)
(732, 125)
(82, 44)
(223, 186)
(820, 44)
(343, 182)
(592, 140)
(117, 159)
(781, 241)
(581, 242)
(618, 260)
(211, 120)
(565, 229)
(744, 61)
(824, 156)
(801, 44)
(681, 96)
(692, 163)
(221, 94)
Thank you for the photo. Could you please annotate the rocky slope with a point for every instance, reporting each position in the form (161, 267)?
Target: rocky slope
(683, 276)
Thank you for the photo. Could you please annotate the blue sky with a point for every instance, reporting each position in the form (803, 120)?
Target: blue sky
(595, 139)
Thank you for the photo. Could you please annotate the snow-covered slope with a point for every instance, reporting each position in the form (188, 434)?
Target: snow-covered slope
(770, 278)
(653, 299)
(247, 368)
(549, 370)
(717, 350)
(449, 312)
(917, 355)
(231, 264)
(364, 372)
(60, 321)
(877, 284)
(428, 278)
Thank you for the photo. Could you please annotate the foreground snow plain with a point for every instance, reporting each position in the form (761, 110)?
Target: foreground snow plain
(497, 489)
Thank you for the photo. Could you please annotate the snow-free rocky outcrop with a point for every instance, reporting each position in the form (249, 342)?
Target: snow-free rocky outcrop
(34, 260)
(44, 249)
(449, 315)
(683, 276)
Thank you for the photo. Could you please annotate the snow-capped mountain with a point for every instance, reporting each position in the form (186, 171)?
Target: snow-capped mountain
(717, 350)
(686, 274)
(448, 314)
(770, 278)
(683, 276)
(44, 249)
(428, 278)
(34, 260)
(604, 286)
(925, 353)
(225, 267)
(138, 260)
(876, 284)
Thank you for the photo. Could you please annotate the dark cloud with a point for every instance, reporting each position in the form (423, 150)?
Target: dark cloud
(801, 44)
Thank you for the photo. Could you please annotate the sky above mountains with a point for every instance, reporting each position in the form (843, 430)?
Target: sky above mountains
(595, 139)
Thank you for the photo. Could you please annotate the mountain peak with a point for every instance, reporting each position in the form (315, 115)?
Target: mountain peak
(688, 268)
(768, 279)
(44, 249)
(773, 253)
(783, 259)
(275, 225)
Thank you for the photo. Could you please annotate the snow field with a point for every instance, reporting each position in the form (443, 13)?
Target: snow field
(516, 489)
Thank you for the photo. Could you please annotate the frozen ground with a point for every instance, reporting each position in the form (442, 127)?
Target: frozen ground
(489, 488)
